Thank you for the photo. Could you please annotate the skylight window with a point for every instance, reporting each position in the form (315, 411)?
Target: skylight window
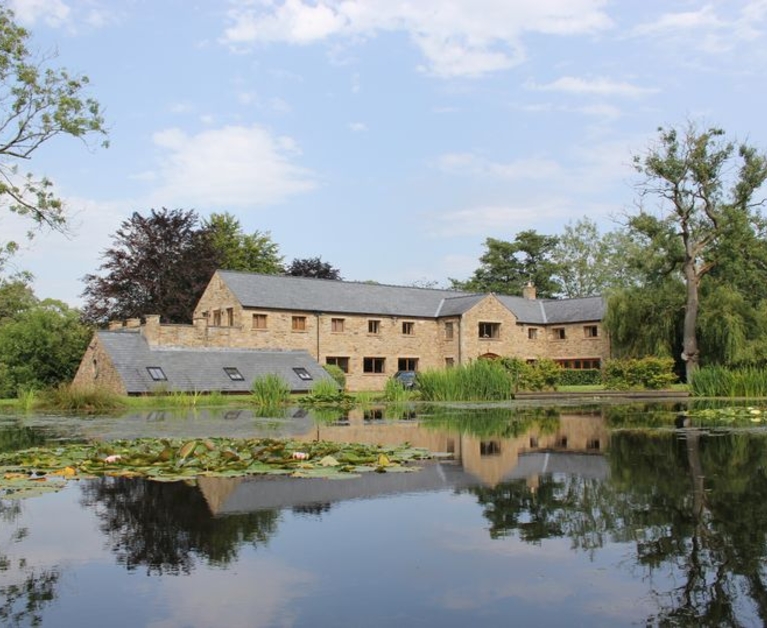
(302, 373)
(234, 374)
(156, 373)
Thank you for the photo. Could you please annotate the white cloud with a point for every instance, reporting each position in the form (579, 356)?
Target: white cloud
(596, 86)
(457, 37)
(358, 127)
(234, 166)
(52, 12)
(481, 220)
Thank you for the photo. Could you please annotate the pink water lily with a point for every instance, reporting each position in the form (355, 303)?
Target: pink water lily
(112, 458)
(300, 455)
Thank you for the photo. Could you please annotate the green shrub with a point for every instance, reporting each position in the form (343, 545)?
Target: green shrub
(580, 377)
(270, 390)
(326, 391)
(337, 373)
(394, 391)
(650, 373)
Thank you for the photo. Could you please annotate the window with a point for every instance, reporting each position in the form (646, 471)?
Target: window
(374, 327)
(489, 448)
(407, 364)
(216, 318)
(259, 321)
(230, 317)
(373, 365)
(532, 333)
(337, 325)
(408, 328)
(489, 330)
(156, 373)
(448, 331)
(299, 323)
(591, 331)
(449, 363)
(558, 333)
(234, 374)
(302, 373)
(340, 362)
(592, 444)
(588, 363)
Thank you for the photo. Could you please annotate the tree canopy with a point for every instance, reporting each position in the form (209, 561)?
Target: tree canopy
(506, 267)
(159, 264)
(254, 253)
(312, 267)
(703, 187)
(37, 103)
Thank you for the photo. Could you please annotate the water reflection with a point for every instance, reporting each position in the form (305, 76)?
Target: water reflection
(684, 510)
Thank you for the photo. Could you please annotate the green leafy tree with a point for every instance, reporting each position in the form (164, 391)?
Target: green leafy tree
(42, 347)
(255, 252)
(506, 267)
(16, 296)
(159, 264)
(312, 267)
(705, 187)
(37, 104)
(592, 264)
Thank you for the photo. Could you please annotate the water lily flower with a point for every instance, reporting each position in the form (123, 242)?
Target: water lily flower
(300, 455)
(112, 458)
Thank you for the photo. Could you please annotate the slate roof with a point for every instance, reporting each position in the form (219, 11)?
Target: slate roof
(278, 292)
(202, 370)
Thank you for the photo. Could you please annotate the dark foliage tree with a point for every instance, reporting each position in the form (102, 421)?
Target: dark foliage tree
(159, 264)
(506, 267)
(312, 267)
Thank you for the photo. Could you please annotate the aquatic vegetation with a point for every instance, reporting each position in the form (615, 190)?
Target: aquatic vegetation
(719, 381)
(172, 460)
(270, 390)
(70, 398)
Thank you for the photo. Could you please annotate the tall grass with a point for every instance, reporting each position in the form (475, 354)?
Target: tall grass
(270, 391)
(481, 380)
(68, 398)
(395, 392)
(718, 381)
(27, 398)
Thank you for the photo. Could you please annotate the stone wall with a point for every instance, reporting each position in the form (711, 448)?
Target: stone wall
(96, 369)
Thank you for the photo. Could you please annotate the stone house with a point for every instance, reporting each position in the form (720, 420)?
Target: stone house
(372, 331)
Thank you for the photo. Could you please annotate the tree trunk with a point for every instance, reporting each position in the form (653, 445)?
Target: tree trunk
(690, 353)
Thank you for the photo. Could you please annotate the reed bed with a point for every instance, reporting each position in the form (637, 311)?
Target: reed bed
(481, 380)
(270, 391)
(718, 381)
(70, 398)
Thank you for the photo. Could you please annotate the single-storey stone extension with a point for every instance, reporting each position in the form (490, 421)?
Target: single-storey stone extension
(369, 330)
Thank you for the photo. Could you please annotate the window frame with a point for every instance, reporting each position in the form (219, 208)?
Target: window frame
(303, 374)
(259, 317)
(337, 325)
(591, 331)
(157, 374)
(408, 328)
(449, 330)
(373, 365)
(298, 323)
(234, 373)
(340, 361)
(374, 326)
(484, 327)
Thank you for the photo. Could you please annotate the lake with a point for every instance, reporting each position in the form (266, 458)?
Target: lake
(617, 514)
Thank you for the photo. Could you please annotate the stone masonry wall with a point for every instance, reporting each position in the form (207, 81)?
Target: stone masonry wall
(96, 369)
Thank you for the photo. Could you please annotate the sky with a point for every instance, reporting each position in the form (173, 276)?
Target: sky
(389, 138)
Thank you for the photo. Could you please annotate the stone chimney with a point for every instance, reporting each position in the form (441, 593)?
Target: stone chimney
(133, 323)
(151, 329)
(115, 325)
(528, 292)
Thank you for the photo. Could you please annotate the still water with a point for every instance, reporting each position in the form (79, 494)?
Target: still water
(580, 516)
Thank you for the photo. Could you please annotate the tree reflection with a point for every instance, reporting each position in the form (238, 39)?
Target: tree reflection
(694, 505)
(24, 589)
(167, 526)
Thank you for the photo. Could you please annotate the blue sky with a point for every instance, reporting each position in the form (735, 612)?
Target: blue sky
(389, 138)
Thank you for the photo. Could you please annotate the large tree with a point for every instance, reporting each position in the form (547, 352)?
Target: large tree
(704, 186)
(235, 250)
(37, 103)
(41, 347)
(159, 264)
(506, 267)
(312, 267)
